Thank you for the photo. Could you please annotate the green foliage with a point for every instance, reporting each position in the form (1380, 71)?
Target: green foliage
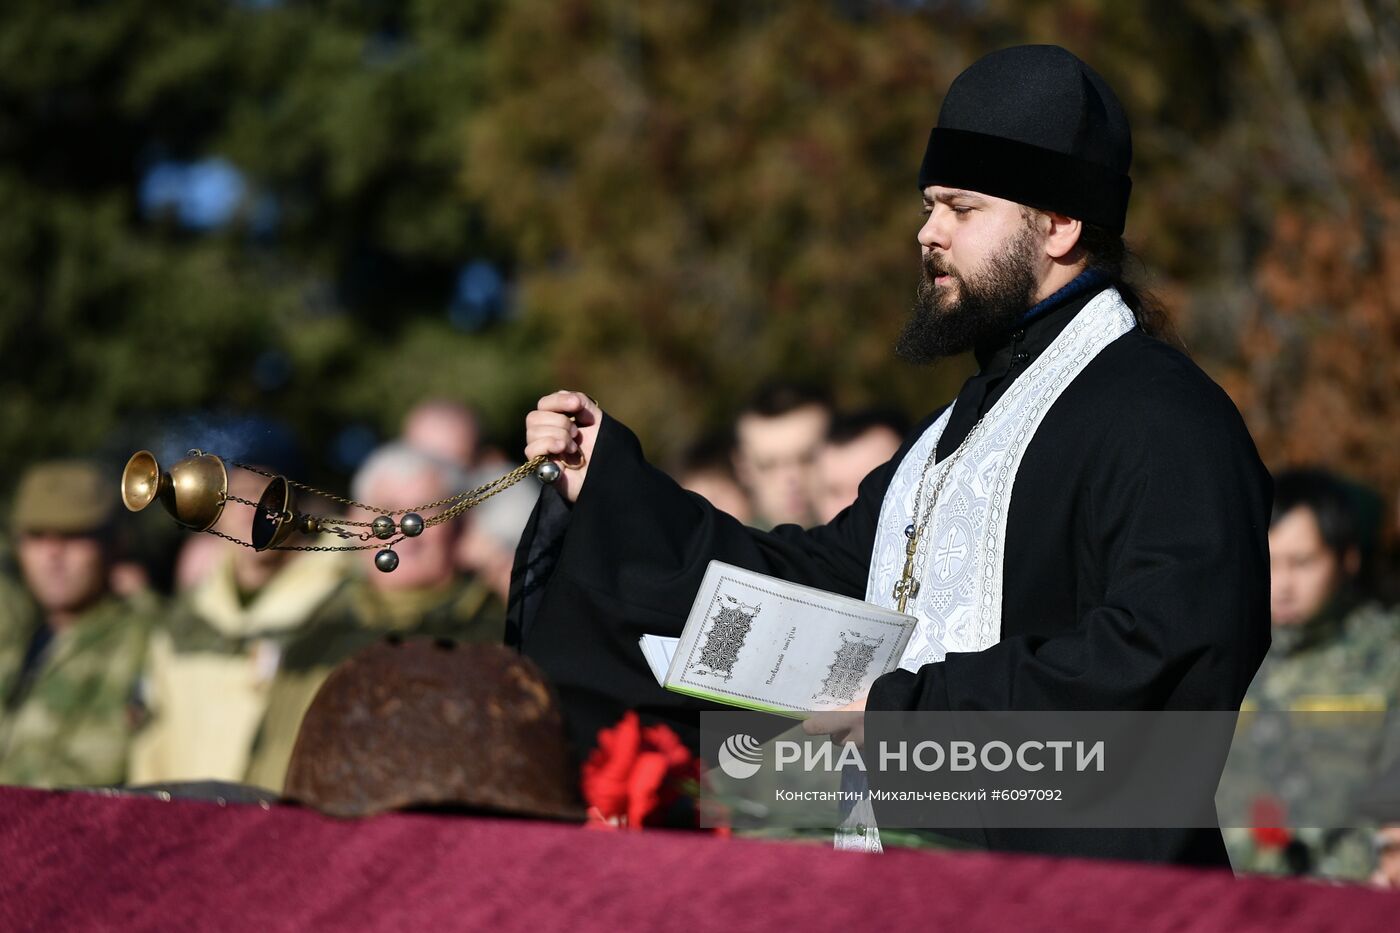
(691, 198)
(349, 117)
(701, 201)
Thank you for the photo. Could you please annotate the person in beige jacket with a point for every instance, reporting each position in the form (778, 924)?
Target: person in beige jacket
(426, 597)
(211, 665)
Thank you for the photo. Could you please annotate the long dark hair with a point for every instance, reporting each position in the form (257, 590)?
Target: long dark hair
(1108, 253)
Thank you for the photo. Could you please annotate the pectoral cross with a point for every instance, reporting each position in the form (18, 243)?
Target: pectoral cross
(907, 586)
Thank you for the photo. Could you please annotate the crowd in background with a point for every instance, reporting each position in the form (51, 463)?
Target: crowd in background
(119, 667)
(128, 664)
(108, 678)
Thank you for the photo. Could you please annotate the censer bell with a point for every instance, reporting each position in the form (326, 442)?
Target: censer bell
(274, 517)
(193, 491)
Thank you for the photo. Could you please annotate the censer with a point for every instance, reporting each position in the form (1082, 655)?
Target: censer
(195, 490)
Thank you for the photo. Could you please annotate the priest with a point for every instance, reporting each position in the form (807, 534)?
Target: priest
(1084, 527)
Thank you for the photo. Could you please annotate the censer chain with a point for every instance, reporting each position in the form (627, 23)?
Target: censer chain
(458, 504)
(320, 548)
(479, 494)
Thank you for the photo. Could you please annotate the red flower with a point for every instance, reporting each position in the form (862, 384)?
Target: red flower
(1267, 816)
(635, 774)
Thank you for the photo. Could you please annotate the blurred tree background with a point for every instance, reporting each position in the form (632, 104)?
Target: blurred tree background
(324, 211)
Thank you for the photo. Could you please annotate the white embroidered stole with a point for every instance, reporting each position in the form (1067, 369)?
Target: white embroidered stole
(959, 562)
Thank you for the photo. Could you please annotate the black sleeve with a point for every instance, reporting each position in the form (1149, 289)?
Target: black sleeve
(627, 558)
(634, 533)
(1178, 518)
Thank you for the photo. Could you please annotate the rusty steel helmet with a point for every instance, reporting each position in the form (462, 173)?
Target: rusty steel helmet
(435, 724)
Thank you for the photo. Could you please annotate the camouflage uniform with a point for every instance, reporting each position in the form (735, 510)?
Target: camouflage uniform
(71, 723)
(356, 617)
(1332, 687)
(19, 618)
(68, 719)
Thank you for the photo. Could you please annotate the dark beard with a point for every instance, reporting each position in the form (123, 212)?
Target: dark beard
(987, 309)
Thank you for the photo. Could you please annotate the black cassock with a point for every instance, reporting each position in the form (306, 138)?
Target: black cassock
(1136, 567)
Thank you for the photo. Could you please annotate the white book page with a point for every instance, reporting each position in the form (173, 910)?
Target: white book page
(762, 643)
(659, 650)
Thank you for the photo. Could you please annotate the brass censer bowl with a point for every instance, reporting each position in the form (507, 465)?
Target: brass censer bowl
(193, 492)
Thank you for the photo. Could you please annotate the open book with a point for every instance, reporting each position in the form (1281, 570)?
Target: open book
(762, 643)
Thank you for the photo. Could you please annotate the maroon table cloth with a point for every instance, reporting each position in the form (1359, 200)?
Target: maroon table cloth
(80, 861)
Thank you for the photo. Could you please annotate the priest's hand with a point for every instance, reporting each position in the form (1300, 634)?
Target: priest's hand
(846, 724)
(564, 427)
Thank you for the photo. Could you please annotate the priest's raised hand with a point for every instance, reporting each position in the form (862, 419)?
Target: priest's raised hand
(564, 426)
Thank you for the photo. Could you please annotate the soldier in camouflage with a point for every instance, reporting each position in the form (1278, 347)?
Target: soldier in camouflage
(70, 650)
(423, 598)
(1318, 721)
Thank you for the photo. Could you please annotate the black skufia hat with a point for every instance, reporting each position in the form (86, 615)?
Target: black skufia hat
(1035, 125)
